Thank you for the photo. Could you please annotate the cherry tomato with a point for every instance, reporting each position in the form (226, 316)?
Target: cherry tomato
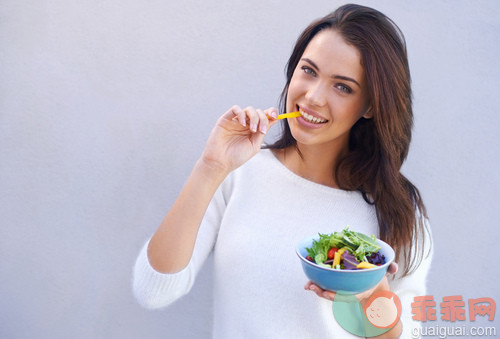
(331, 252)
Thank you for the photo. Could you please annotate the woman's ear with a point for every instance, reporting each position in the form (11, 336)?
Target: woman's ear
(369, 113)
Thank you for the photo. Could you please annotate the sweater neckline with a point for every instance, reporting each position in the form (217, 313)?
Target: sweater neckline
(301, 180)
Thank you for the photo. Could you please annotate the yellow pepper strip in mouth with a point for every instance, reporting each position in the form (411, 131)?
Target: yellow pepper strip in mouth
(288, 115)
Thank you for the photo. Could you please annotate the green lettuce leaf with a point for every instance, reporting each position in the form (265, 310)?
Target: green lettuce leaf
(359, 244)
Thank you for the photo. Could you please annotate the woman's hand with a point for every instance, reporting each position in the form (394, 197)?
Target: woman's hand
(237, 136)
(395, 331)
(364, 296)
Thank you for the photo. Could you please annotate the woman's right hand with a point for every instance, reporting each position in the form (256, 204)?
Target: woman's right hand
(237, 136)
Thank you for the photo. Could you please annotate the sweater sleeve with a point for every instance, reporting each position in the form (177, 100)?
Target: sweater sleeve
(154, 289)
(413, 285)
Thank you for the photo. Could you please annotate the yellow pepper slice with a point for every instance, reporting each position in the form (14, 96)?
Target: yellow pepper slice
(365, 264)
(336, 259)
(289, 115)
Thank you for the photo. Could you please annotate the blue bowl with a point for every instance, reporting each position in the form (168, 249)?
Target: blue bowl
(344, 281)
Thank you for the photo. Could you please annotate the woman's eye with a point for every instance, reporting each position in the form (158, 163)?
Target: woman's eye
(343, 88)
(308, 70)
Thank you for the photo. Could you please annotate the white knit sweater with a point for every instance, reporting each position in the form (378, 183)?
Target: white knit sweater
(253, 224)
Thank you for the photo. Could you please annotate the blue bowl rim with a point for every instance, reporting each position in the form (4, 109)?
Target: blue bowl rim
(381, 267)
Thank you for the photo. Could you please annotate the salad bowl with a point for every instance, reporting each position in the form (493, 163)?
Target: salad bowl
(343, 281)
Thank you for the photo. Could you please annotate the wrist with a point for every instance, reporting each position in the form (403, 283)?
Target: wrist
(212, 170)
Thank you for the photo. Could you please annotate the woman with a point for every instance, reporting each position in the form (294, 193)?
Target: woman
(337, 164)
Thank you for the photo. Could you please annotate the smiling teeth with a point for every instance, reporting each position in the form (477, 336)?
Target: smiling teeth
(311, 118)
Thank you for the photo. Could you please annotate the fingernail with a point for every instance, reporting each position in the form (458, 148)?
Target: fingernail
(253, 127)
(263, 129)
(244, 123)
(274, 114)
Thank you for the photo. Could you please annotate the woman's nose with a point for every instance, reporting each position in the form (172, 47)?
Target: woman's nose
(316, 95)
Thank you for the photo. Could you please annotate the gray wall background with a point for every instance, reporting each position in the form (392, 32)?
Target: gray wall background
(106, 105)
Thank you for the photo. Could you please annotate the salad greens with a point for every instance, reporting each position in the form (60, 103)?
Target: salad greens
(353, 247)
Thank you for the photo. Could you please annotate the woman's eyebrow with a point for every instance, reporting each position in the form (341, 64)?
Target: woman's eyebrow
(335, 76)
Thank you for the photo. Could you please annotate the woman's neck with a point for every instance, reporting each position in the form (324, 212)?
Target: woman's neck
(314, 163)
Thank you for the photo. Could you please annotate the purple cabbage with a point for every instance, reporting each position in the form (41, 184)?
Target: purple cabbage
(350, 261)
(376, 258)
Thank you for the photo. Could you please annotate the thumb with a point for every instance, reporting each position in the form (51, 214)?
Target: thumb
(393, 268)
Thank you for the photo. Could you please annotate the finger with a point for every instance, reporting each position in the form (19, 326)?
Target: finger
(235, 113)
(314, 288)
(308, 285)
(241, 116)
(263, 121)
(393, 268)
(253, 118)
(328, 295)
(319, 291)
(272, 113)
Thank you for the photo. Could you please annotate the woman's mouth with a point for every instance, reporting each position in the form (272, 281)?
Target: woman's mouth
(311, 118)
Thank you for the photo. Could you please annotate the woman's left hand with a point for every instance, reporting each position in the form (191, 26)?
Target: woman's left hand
(394, 332)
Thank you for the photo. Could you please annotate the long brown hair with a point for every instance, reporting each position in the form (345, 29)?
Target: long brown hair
(377, 146)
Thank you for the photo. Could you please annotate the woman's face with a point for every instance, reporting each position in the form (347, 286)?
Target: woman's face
(328, 87)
